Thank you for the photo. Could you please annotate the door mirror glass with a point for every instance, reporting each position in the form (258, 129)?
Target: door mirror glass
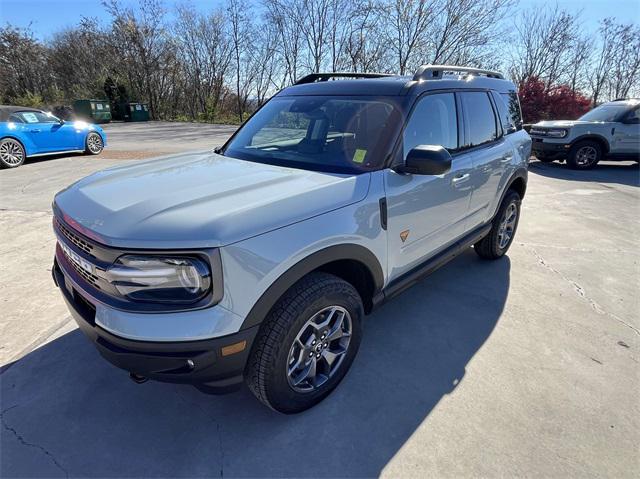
(426, 160)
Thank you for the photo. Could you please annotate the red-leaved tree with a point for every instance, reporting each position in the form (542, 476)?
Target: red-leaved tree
(556, 103)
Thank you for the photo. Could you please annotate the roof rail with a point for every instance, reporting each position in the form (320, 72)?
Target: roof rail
(429, 72)
(314, 77)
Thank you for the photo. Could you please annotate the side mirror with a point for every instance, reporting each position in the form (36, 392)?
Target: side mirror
(426, 160)
(634, 120)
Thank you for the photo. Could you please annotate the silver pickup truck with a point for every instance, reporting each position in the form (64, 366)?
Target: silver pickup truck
(610, 131)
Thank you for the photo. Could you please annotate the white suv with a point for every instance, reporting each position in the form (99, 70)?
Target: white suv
(258, 262)
(610, 131)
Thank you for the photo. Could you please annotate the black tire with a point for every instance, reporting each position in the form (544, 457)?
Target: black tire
(490, 246)
(12, 153)
(267, 370)
(93, 144)
(584, 155)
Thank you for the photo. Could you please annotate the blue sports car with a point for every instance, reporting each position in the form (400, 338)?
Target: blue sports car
(27, 132)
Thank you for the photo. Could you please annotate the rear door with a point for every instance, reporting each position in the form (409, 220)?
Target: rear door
(490, 153)
(427, 213)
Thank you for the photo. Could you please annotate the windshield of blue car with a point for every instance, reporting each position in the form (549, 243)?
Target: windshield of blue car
(604, 113)
(321, 133)
(33, 117)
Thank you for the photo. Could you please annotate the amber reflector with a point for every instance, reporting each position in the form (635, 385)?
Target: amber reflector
(234, 348)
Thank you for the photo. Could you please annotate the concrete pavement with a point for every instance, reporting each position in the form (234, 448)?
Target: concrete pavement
(527, 366)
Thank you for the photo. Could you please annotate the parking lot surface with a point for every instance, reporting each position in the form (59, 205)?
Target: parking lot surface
(527, 366)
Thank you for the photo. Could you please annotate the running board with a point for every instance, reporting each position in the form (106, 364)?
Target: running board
(418, 273)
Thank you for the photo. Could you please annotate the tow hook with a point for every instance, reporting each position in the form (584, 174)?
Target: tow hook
(136, 378)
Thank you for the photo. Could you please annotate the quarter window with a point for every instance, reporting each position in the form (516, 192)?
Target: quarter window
(506, 120)
(433, 122)
(480, 121)
(513, 104)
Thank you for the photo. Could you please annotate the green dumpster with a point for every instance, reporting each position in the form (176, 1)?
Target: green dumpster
(94, 111)
(137, 112)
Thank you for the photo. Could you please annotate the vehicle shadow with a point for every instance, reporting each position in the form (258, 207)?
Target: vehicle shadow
(624, 173)
(67, 411)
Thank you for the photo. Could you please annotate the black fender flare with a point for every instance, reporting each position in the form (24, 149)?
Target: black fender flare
(520, 174)
(593, 136)
(315, 260)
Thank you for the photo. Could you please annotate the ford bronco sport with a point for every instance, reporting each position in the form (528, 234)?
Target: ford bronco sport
(610, 131)
(258, 261)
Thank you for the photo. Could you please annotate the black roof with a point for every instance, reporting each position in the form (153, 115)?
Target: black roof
(396, 85)
(6, 111)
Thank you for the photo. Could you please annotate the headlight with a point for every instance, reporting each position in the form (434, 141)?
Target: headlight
(557, 133)
(161, 279)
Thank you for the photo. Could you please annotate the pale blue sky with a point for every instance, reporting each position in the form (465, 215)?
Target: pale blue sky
(49, 16)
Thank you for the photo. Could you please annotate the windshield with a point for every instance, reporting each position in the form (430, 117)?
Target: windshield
(323, 133)
(603, 113)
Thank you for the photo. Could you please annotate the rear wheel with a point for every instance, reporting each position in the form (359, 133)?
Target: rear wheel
(503, 230)
(94, 144)
(11, 153)
(306, 344)
(584, 155)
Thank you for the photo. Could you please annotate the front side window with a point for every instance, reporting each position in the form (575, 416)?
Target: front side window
(433, 122)
(480, 121)
(36, 117)
(321, 133)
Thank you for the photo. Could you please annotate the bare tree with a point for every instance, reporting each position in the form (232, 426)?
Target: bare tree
(409, 22)
(544, 41)
(205, 52)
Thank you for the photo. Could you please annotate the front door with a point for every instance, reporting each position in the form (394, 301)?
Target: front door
(427, 213)
(627, 134)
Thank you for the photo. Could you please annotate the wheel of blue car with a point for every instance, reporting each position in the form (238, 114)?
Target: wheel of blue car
(94, 144)
(306, 344)
(11, 153)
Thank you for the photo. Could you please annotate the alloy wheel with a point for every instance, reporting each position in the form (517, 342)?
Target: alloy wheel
(11, 153)
(319, 349)
(586, 155)
(94, 143)
(507, 225)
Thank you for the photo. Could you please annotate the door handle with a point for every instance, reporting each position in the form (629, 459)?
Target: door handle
(460, 178)
(35, 131)
(506, 159)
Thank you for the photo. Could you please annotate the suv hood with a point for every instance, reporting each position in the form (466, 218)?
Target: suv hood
(200, 200)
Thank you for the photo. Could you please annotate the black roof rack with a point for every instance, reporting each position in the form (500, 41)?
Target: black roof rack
(433, 72)
(315, 77)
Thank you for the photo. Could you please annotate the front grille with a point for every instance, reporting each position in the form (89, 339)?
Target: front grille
(75, 239)
(90, 278)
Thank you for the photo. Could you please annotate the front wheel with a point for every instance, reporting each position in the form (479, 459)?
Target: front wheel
(584, 155)
(11, 153)
(503, 230)
(306, 344)
(94, 144)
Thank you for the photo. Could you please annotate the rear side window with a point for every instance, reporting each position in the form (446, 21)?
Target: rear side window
(433, 122)
(480, 121)
(505, 118)
(513, 104)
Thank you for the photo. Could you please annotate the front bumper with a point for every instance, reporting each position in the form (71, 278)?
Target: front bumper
(542, 147)
(201, 363)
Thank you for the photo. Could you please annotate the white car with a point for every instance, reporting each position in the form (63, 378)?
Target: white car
(610, 131)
